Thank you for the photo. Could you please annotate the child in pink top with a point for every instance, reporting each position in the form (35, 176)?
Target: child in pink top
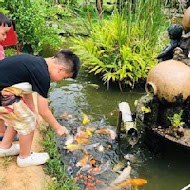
(5, 26)
(2, 53)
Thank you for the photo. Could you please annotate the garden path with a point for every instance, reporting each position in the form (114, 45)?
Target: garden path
(31, 178)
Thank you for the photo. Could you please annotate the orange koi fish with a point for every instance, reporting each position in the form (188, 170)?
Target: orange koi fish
(100, 169)
(83, 161)
(82, 140)
(89, 186)
(95, 170)
(83, 134)
(132, 182)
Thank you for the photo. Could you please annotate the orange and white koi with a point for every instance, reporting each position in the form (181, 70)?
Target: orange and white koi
(108, 132)
(125, 174)
(83, 161)
(68, 116)
(102, 168)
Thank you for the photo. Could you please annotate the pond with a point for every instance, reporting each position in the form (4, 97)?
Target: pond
(171, 171)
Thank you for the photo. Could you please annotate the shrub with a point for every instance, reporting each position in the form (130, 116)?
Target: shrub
(123, 48)
(35, 24)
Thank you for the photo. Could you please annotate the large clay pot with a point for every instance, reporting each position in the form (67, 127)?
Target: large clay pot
(186, 20)
(169, 80)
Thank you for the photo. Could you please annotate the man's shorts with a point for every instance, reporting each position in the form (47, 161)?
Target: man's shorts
(19, 116)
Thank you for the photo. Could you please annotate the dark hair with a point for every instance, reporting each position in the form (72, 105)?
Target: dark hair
(4, 21)
(70, 60)
(175, 31)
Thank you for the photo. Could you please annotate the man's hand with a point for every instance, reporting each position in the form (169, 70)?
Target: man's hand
(61, 131)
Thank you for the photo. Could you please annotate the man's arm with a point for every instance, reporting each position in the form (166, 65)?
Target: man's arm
(47, 115)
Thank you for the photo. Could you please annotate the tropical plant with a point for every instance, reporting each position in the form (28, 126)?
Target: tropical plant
(176, 119)
(123, 48)
(37, 24)
(2, 9)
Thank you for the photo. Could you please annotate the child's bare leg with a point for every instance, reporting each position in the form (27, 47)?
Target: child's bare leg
(6, 146)
(26, 158)
(8, 138)
(2, 127)
(25, 142)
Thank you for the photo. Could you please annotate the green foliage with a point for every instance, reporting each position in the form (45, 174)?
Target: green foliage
(2, 9)
(54, 166)
(10, 51)
(35, 24)
(176, 120)
(65, 2)
(123, 48)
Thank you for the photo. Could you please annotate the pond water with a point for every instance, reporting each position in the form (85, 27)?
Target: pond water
(171, 171)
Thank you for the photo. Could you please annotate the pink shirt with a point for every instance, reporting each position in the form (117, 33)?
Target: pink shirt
(2, 53)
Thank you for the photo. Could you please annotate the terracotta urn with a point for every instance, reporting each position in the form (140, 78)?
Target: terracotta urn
(169, 80)
(186, 20)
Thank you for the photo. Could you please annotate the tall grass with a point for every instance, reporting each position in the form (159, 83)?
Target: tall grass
(123, 48)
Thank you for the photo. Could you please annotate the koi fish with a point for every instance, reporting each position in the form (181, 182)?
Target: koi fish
(83, 134)
(130, 157)
(69, 139)
(120, 165)
(85, 119)
(83, 161)
(102, 168)
(90, 129)
(108, 132)
(73, 147)
(125, 174)
(135, 103)
(90, 146)
(68, 116)
(84, 168)
(100, 148)
(82, 140)
(94, 171)
(132, 182)
(92, 162)
(145, 110)
(96, 86)
(89, 186)
(87, 177)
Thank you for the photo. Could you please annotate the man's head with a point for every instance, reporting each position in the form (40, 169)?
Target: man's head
(5, 25)
(65, 65)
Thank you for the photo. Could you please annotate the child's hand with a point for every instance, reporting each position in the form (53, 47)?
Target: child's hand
(61, 131)
(6, 93)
